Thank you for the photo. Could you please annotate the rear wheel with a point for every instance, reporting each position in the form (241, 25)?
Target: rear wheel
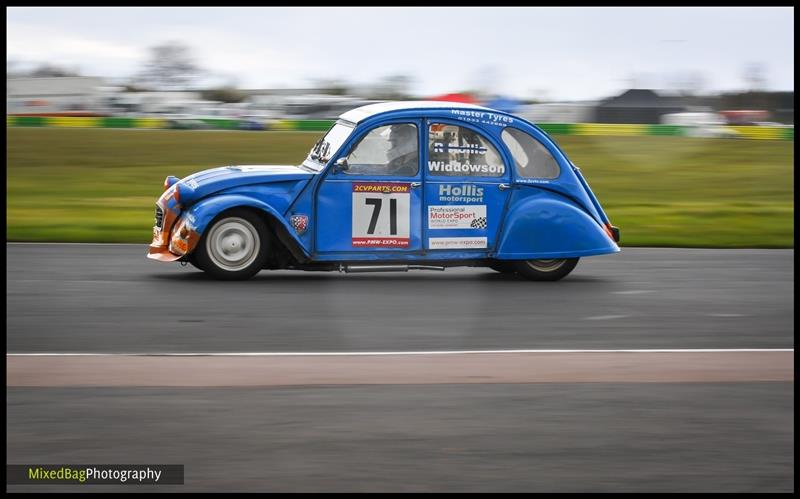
(233, 247)
(545, 270)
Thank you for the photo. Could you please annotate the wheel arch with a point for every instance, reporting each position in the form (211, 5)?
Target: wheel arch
(206, 211)
(547, 225)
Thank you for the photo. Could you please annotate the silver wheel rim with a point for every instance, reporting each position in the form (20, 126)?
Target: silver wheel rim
(546, 265)
(233, 244)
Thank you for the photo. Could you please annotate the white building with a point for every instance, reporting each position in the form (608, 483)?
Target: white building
(559, 112)
(159, 102)
(65, 94)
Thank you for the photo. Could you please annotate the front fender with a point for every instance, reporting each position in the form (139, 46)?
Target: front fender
(199, 215)
(547, 225)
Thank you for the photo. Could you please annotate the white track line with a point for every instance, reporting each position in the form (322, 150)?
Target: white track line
(447, 352)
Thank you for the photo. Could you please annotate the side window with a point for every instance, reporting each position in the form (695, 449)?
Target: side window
(531, 157)
(386, 150)
(459, 151)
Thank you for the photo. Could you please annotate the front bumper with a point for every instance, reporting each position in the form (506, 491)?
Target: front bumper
(173, 240)
(162, 254)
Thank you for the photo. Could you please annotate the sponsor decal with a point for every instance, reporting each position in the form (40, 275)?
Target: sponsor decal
(380, 242)
(300, 223)
(478, 223)
(483, 117)
(457, 242)
(468, 113)
(467, 168)
(457, 217)
(381, 214)
(498, 119)
(467, 148)
(532, 181)
(383, 187)
(464, 193)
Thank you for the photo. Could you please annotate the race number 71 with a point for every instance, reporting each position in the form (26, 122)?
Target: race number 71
(381, 213)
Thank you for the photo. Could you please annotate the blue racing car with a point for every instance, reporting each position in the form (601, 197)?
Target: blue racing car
(391, 187)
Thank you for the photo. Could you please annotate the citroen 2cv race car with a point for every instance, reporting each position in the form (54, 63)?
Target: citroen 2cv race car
(392, 187)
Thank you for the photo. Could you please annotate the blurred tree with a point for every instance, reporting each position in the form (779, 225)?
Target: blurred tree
(483, 81)
(539, 94)
(134, 87)
(754, 76)
(779, 104)
(332, 86)
(227, 93)
(50, 70)
(393, 87)
(170, 67)
(44, 70)
(12, 69)
(687, 83)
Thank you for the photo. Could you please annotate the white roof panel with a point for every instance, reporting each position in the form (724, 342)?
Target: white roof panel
(361, 113)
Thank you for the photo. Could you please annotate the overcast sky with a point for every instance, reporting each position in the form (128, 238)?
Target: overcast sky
(545, 52)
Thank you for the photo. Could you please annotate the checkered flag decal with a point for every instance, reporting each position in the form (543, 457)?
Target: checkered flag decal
(478, 223)
(300, 223)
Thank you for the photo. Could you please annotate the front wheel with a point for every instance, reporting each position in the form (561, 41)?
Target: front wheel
(545, 270)
(233, 247)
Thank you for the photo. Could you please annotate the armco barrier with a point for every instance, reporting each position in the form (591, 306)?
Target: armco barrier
(301, 125)
(609, 129)
(586, 129)
(557, 128)
(763, 132)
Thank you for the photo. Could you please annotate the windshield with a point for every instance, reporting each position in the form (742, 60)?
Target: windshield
(327, 146)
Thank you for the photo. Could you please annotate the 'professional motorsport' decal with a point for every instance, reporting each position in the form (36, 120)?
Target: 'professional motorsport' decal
(381, 214)
(457, 217)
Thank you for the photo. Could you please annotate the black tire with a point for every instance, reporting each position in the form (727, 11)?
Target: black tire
(234, 246)
(545, 270)
(503, 266)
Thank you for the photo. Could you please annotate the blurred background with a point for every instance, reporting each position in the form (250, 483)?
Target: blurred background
(682, 119)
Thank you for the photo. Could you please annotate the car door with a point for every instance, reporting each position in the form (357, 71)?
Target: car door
(467, 186)
(374, 204)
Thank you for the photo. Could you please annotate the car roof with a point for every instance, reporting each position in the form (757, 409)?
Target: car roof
(360, 114)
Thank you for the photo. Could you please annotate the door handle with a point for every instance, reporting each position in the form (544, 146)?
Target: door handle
(503, 187)
(414, 185)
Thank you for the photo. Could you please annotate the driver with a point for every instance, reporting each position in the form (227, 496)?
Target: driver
(402, 154)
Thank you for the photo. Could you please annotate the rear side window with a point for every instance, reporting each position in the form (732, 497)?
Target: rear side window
(531, 157)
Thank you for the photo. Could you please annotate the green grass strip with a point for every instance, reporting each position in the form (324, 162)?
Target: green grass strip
(100, 185)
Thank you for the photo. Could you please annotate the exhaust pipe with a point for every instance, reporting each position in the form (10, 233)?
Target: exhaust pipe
(385, 268)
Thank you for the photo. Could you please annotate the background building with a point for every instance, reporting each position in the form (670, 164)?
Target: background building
(637, 106)
(66, 94)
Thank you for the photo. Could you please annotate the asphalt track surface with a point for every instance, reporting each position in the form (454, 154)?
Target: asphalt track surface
(636, 435)
(110, 298)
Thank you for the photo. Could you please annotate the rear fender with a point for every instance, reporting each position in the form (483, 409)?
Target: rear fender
(547, 225)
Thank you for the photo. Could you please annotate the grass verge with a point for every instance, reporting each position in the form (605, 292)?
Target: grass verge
(99, 185)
